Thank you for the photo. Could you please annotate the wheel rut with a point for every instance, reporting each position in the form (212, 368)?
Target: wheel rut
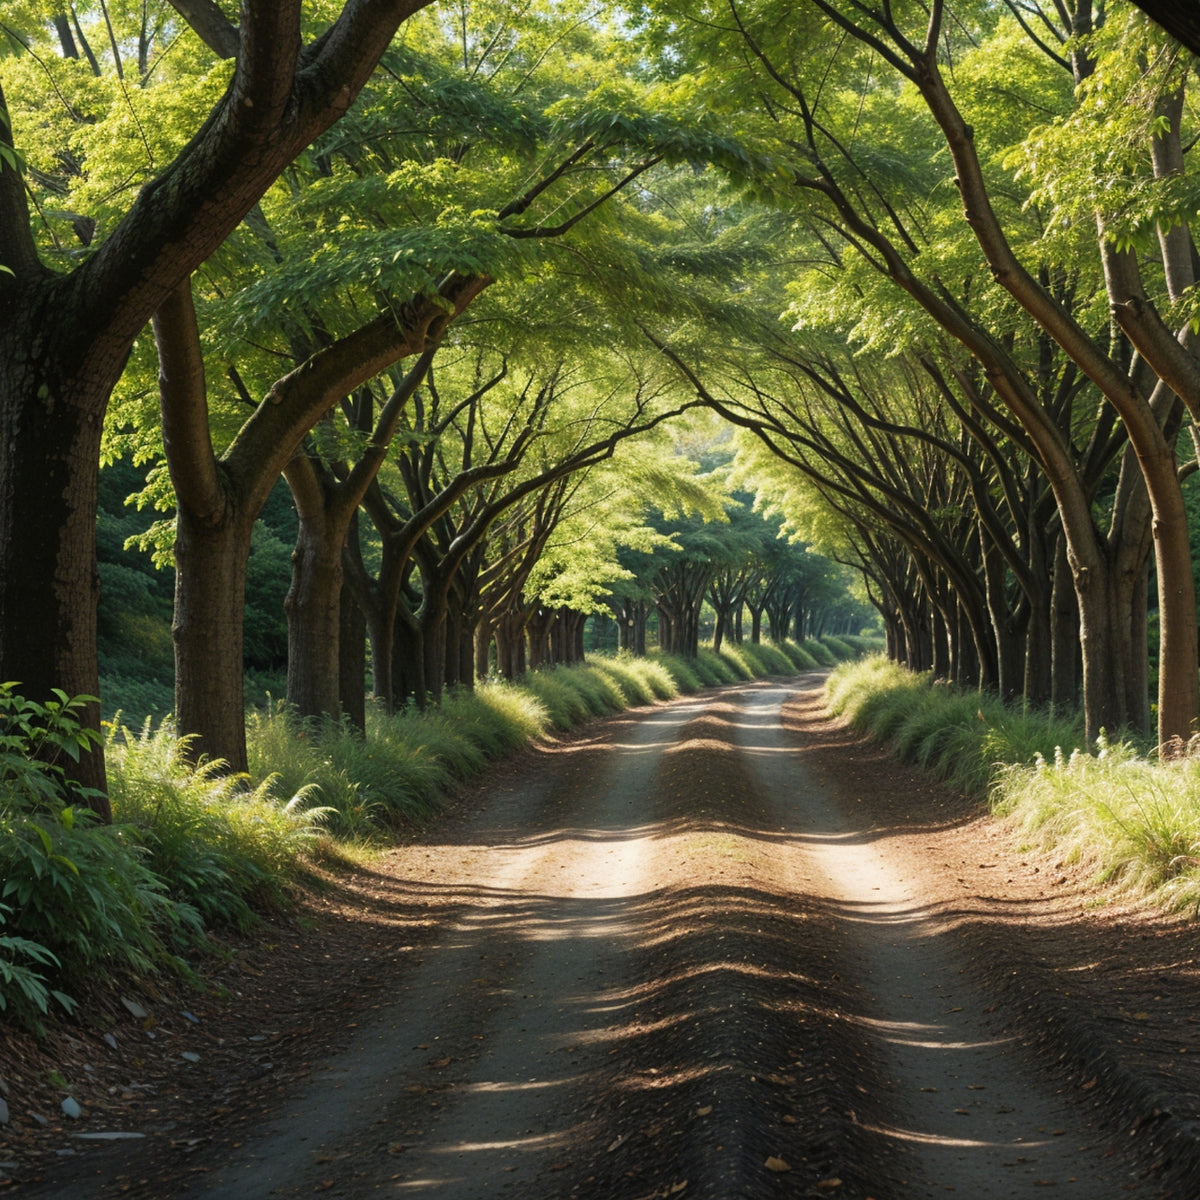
(676, 956)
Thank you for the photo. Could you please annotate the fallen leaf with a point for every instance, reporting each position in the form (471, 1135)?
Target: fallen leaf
(703, 1112)
(929, 1089)
(775, 1163)
(788, 1119)
(830, 1184)
(1091, 1083)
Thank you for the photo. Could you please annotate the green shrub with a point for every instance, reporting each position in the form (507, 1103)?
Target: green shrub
(85, 892)
(800, 658)
(25, 995)
(841, 648)
(821, 653)
(682, 672)
(223, 849)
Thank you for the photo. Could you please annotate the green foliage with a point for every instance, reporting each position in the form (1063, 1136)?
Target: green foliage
(36, 742)
(84, 891)
(220, 848)
(398, 774)
(25, 996)
(1134, 821)
(760, 659)
(839, 647)
(799, 657)
(714, 669)
(682, 671)
(565, 705)
(824, 656)
(960, 736)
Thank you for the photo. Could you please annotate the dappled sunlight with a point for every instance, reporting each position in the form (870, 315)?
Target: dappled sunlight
(937, 1139)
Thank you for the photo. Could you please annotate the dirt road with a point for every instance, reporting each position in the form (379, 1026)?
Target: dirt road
(710, 949)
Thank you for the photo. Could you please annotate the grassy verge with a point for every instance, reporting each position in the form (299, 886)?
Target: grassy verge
(193, 849)
(1133, 821)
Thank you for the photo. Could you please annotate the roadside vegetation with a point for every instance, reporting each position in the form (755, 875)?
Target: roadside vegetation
(1115, 806)
(193, 849)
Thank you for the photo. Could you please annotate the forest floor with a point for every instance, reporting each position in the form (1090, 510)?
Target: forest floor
(716, 948)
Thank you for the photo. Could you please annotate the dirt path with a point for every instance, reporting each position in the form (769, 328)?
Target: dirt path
(711, 949)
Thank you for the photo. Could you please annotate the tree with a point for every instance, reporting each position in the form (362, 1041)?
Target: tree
(827, 116)
(66, 332)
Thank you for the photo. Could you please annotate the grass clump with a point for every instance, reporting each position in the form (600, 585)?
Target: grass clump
(682, 672)
(959, 736)
(841, 648)
(715, 670)
(823, 655)
(766, 658)
(1134, 821)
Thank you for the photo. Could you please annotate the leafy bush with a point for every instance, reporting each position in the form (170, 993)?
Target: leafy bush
(25, 995)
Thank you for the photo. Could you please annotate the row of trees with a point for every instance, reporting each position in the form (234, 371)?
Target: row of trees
(414, 263)
(993, 302)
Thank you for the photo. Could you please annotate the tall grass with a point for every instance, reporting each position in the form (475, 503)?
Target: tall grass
(1133, 821)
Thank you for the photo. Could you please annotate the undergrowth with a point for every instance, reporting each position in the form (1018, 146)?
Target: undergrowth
(1133, 821)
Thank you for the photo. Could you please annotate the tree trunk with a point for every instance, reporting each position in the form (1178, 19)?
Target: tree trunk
(313, 608)
(352, 666)
(210, 593)
(49, 586)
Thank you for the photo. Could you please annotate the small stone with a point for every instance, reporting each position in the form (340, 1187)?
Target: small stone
(190, 1055)
(67, 1153)
(3, 1112)
(188, 1015)
(70, 1107)
(114, 1136)
(135, 1009)
(110, 1041)
(39, 1119)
